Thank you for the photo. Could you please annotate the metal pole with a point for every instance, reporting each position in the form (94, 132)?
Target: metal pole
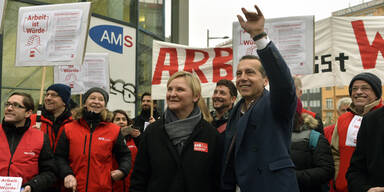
(207, 38)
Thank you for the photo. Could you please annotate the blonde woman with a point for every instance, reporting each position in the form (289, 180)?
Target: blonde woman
(88, 144)
(179, 152)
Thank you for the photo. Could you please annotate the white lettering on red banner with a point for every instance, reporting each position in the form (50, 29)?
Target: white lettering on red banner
(200, 146)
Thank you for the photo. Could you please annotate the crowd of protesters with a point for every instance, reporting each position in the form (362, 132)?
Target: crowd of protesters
(264, 142)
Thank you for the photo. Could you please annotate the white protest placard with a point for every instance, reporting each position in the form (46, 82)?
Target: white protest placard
(293, 36)
(2, 11)
(353, 130)
(93, 73)
(208, 64)
(345, 47)
(10, 184)
(52, 34)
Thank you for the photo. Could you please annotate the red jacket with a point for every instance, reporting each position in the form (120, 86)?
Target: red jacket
(123, 186)
(345, 151)
(309, 112)
(328, 132)
(25, 160)
(90, 154)
(46, 127)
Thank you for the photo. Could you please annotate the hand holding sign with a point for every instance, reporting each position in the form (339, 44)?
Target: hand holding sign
(27, 189)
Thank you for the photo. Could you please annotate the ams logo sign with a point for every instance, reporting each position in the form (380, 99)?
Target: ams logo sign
(110, 37)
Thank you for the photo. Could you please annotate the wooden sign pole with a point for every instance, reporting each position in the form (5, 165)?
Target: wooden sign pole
(40, 108)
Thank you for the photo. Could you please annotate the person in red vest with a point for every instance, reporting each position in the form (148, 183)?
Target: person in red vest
(299, 93)
(223, 98)
(365, 92)
(55, 113)
(88, 145)
(25, 150)
(121, 119)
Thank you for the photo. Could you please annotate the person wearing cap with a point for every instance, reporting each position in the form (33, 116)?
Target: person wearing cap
(365, 172)
(365, 92)
(55, 113)
(88, 145)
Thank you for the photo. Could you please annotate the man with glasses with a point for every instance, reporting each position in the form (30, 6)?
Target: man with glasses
(365, 91)
(55, 113)
(25, 150)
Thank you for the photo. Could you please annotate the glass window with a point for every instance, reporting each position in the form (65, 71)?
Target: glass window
(59, 1)
(23, 79)
(311, 104)
(151, 17)
(144, 63)
(329, 118)
(329, 103)
(123, 10)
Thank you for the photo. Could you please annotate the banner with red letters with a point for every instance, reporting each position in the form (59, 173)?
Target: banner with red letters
(209, 65)
(345, 47)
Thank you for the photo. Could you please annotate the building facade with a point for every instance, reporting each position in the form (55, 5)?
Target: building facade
(145, 17)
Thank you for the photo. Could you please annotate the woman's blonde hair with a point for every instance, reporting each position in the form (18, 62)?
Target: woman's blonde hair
(194, 83)
(106, 115)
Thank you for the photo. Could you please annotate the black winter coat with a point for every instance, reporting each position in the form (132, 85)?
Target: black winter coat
(314, 167)
(366, 169)
(159, 168)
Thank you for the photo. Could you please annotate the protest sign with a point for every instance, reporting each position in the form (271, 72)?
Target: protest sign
(52, 34)
(2, 10)
(119, 41)
(293, 36)
(10, 184)
(93, 73)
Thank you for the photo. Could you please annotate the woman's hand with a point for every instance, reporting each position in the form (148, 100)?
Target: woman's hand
(117, 175)
(135, 133)
(27, 189)
(70, 182)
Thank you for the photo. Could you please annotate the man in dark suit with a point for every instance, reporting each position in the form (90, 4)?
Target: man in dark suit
(256, 155)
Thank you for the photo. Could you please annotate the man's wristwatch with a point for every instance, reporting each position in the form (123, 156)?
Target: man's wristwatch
(259, 36)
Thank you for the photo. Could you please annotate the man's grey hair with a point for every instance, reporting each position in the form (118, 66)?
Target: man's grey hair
(343, 101)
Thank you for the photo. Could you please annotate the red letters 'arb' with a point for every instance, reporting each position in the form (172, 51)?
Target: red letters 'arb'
(160, 65)
(219, 62)
(191, 65)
